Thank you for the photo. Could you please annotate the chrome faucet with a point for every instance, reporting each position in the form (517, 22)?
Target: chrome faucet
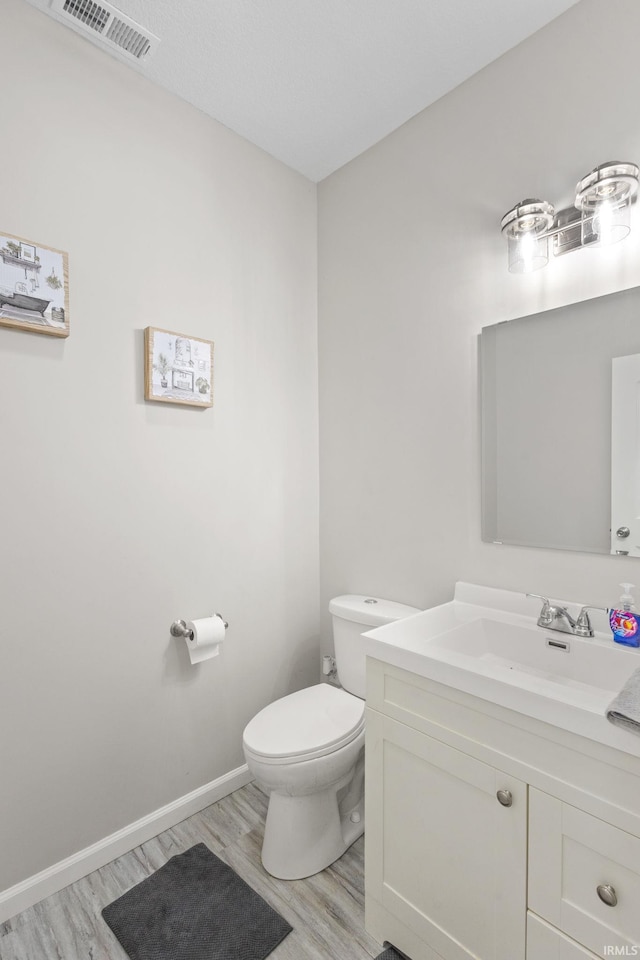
(555, 617)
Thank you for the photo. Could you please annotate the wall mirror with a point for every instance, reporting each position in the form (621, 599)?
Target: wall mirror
(561, 427)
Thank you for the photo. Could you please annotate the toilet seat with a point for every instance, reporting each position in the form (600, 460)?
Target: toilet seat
(304, 725)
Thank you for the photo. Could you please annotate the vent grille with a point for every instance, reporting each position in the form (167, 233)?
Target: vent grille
(128, 39)
(110, 25)
(87, 12)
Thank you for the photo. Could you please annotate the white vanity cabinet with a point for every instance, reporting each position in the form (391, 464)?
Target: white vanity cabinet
(491, 835)
(451, 860)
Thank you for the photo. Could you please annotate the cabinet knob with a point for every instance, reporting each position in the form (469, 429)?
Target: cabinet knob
(505, 797)
(607, 894)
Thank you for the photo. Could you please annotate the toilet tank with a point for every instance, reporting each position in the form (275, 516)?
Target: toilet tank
(353, 616)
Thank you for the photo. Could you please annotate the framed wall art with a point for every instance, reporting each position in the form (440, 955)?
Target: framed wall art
(34, 287)
(178, 368)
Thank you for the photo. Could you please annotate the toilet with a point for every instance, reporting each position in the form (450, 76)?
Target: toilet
(307, 751)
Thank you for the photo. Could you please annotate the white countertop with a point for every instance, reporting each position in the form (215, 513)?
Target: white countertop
(486, 643)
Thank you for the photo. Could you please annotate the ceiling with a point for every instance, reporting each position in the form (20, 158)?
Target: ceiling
(317, 82)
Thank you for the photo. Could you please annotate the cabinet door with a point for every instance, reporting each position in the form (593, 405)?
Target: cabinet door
(584, 876)
(444, 856)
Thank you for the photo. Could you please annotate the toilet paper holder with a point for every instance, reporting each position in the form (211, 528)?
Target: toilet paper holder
(179, 628)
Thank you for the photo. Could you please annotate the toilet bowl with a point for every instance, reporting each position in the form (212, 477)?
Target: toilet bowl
(306, 751)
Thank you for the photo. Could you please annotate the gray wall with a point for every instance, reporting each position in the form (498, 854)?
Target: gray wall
(412, 265)
(120, 515)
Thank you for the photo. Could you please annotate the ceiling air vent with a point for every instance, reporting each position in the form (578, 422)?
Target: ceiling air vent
(102, 21)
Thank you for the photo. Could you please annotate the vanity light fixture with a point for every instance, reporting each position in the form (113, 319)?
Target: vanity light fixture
(601, 215)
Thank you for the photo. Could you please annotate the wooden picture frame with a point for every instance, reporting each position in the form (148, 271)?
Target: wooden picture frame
(178, 368)
(34, 286)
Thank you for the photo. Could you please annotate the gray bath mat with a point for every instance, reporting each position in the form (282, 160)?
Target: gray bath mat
(195, 907)
(391, 954)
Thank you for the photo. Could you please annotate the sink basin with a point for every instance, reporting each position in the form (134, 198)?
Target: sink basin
(486, 642)
(501, 647)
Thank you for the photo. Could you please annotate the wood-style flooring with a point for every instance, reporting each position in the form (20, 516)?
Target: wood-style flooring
(326, 911)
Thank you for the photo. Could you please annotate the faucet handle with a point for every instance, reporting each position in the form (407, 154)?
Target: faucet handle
(583, 627)
(546, 615)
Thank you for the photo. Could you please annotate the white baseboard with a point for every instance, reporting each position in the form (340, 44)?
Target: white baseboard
(16, 899)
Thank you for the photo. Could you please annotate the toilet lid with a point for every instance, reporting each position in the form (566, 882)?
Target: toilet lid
(306, 724)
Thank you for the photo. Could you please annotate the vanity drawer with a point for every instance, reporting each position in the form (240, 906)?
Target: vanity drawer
(576, 862)
(546, 943)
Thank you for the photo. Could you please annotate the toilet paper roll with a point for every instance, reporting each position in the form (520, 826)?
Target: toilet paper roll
(207, 635)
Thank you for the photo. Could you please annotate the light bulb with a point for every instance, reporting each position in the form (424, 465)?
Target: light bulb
(604, 222)
(527, 251)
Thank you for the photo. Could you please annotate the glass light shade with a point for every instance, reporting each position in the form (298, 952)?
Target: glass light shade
(609, 222)
(525, 227)
(527, 252)
(604, 197)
